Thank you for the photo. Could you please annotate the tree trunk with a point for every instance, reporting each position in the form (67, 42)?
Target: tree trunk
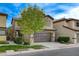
(28, 38)
(31, 39)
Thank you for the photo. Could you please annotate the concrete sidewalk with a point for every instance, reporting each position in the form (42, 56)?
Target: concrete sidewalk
(56, 45)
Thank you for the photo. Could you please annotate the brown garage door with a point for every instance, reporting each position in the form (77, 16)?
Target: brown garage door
(42, 37)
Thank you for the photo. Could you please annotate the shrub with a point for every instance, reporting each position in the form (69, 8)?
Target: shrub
(26, 41)
(4, 42)
(63, 39)
(18, 40)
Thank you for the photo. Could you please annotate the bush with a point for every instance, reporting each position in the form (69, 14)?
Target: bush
(63, 39)
(18, 40)
(4, 42)
(26, 41)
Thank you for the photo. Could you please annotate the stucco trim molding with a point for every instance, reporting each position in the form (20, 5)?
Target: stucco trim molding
(70, 28)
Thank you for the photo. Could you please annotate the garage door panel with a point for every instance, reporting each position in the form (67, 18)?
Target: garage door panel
(42, 37)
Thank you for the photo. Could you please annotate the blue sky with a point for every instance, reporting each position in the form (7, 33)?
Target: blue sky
(56, 10)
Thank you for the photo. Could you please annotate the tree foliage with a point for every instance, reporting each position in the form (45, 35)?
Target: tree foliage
(32, 20)
(9, 33)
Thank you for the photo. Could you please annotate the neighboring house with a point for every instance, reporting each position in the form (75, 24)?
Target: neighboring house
(3, 26)
(47, 35)
(67, 27)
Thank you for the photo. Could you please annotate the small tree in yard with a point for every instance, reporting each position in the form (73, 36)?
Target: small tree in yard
(32, 20)
(9, 34)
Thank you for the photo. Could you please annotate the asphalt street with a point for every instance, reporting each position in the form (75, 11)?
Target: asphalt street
(59, 52)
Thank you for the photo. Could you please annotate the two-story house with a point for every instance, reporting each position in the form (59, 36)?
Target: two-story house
(67, 27)
(47, 35)
(3, 26)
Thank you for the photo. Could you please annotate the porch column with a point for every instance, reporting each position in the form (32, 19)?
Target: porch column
(75, 38)
(53, 37)
(29, 38)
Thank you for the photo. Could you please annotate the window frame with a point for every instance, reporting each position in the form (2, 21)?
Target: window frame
(3, 30)
(77, 23)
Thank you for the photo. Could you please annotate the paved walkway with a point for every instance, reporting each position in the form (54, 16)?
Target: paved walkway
(56, 45)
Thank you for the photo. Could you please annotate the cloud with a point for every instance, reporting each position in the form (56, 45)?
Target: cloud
(59, 10)
(72, 13)
(56, 8)
(42, 5)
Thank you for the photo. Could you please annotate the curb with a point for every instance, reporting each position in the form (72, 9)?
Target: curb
(32, 50)
(20, 52)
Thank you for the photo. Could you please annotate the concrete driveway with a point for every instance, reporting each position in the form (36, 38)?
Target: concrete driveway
(56, 45)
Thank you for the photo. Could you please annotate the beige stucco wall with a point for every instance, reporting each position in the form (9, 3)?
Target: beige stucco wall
(71, 24)
(2, 21)
(49, 23)
(2, 38)
(16, 23)
(3, 24)
(61, 31)
(16, 26)
(52, 35)
(75, 25)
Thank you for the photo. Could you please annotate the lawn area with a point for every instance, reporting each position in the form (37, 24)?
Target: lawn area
(19, 47)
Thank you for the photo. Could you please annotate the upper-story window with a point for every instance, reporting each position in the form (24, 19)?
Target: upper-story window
(2, 31)
(77, 24)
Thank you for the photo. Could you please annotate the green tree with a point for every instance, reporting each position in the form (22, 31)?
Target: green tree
(32, 20)
(9, 33)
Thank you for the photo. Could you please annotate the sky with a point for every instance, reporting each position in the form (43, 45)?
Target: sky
(56, 10)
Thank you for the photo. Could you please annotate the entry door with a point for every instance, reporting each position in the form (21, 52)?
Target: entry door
(42, 37)
(78, 37)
